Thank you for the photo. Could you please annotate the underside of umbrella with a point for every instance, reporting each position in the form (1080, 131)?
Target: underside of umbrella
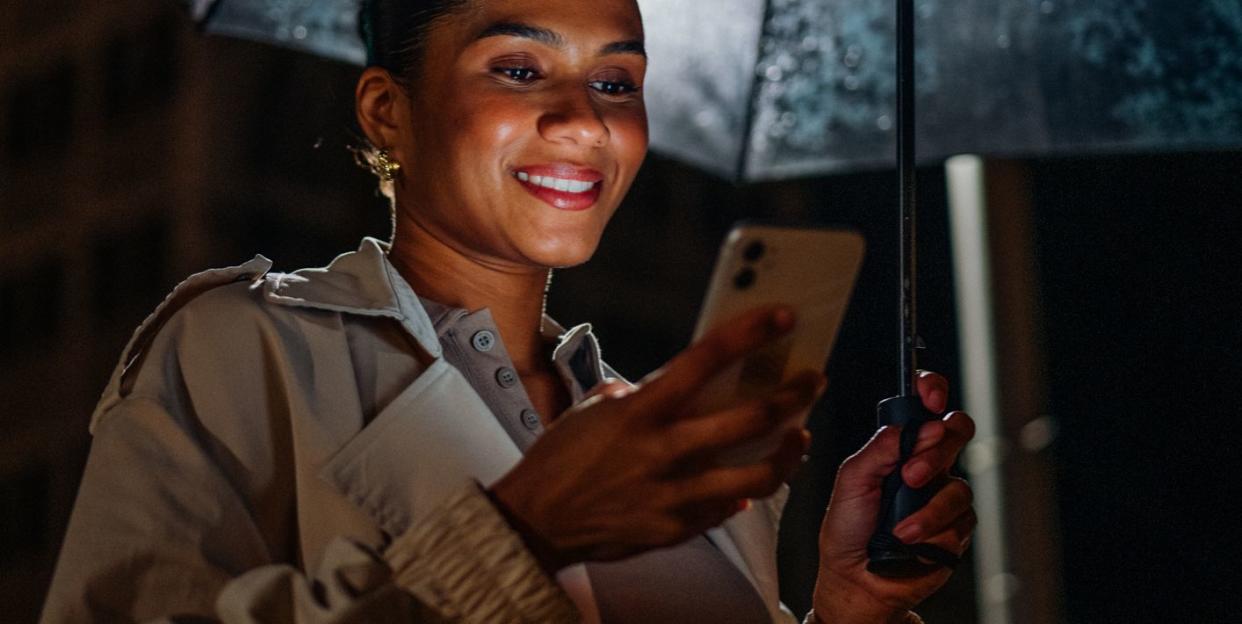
(327, 28)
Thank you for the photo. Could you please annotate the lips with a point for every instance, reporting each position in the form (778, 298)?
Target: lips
(562, 186)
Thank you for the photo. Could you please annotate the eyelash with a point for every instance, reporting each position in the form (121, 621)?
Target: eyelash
(609, 88)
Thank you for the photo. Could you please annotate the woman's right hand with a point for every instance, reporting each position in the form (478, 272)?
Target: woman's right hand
(633, 469)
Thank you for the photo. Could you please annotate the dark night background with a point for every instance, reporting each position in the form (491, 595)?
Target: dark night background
(134, 152)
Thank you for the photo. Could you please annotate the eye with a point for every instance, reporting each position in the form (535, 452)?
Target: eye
(614, 88)
(520, 75)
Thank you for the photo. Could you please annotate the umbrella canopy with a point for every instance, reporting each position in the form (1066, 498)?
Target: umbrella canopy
(327, 28)
(764, 89)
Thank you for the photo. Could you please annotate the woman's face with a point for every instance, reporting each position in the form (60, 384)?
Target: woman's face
(527, 127)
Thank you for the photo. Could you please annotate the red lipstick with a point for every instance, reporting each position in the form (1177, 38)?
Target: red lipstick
(562, 186)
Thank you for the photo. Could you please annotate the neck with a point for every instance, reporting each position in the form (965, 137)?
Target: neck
(514, 294)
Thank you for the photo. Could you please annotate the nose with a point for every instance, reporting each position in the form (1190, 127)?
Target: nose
(573, 119)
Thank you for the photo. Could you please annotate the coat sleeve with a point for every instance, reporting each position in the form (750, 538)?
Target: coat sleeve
(158, 533)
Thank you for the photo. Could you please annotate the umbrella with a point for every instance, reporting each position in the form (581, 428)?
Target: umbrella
(768, 89)
(327, 28)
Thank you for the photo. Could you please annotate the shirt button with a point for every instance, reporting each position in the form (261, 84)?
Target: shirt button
(506, 377)
(530, 418)
(483, 341)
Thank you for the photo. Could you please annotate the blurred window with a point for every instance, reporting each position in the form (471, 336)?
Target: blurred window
(40, 113)
(128, 273)
(23, 512)
(30, 306)
(140, 71)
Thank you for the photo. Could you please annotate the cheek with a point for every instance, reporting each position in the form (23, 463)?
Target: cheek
(629, 138)
(490, 130)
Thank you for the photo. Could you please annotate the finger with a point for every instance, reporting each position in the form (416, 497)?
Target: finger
(956, 538)
(758, 480)
(939, 514)
(677, 382)
(934, 389)
(612, 388)
(711, 433)
(925, 465)
(700, 517)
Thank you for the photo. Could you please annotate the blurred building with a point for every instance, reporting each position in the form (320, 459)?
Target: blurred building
(131, 154)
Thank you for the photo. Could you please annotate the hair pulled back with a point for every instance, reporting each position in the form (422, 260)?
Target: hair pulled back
(395, 31)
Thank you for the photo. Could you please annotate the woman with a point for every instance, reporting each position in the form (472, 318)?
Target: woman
(313, 447)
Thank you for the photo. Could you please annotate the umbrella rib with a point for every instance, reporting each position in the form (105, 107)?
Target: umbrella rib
(752, 102)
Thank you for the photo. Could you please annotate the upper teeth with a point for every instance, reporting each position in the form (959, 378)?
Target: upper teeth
(559, 184)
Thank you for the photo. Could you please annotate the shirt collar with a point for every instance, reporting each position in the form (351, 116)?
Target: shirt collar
(365, 283)
(576, 355)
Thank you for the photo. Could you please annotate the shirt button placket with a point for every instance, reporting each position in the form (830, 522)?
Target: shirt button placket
(530, 419)
(506, 377)
(483, 341)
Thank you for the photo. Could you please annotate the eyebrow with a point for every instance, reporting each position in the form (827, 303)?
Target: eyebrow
(555, 39)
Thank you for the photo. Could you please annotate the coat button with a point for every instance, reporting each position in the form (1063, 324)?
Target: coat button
(506, 377)
(483, 340)
(530, 418)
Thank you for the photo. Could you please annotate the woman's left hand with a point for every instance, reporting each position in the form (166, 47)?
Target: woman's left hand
(845, 592)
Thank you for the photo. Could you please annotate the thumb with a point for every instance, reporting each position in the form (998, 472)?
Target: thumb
(863, 472)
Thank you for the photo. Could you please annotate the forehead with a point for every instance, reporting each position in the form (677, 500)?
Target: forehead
(579, 22)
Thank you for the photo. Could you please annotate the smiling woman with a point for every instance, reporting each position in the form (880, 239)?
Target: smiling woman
(404, 435)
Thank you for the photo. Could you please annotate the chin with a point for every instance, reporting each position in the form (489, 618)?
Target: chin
(562, 253)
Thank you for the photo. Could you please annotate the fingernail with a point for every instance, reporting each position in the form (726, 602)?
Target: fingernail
(917, 473)
(907, 533)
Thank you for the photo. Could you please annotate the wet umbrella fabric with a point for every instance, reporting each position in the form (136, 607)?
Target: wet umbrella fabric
(767, 89)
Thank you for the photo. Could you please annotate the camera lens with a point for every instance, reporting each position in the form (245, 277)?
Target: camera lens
(754, 251)
(744, 279)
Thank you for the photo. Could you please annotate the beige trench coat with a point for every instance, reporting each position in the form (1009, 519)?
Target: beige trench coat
(294, 448)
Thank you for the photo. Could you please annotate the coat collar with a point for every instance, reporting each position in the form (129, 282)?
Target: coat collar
(361, 282)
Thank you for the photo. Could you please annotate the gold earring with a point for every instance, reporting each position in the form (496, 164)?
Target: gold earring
(383, 166)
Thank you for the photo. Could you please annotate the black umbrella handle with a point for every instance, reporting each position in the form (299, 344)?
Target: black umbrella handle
(889, 556)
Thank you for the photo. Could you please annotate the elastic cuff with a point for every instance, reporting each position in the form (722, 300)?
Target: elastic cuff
(467, 563)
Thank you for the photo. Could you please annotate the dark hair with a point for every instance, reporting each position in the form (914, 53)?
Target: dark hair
(394, 32)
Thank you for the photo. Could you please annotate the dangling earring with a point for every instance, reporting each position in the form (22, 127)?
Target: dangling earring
(383, 166)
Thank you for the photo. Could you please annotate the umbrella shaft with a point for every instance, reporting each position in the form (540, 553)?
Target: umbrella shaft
(908, 185)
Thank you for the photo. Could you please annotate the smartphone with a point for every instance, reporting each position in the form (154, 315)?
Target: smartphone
(810, 269)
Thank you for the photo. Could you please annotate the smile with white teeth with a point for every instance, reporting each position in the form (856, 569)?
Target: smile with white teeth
(558, 184)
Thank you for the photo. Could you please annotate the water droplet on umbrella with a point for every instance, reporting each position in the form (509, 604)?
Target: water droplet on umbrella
(1002, 42)
(1047, 7)
(884, 123)
(853, 56)
(299, 32)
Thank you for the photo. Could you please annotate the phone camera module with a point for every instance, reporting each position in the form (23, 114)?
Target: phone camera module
(744, 279)
(754, 251)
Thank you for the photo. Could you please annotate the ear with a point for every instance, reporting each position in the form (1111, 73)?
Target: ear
(383, 109)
